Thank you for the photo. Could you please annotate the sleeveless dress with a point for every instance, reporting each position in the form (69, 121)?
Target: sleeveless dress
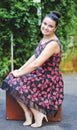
(42, 89)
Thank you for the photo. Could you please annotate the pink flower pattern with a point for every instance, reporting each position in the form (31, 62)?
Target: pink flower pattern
(44, 86)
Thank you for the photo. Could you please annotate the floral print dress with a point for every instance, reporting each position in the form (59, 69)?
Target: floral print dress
(41, 89)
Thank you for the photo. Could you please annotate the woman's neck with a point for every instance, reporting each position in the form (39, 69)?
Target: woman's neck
(47, 38)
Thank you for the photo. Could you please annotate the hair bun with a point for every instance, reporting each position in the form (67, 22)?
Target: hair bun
(56, 13)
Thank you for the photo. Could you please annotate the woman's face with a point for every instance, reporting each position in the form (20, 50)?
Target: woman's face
(48, 26)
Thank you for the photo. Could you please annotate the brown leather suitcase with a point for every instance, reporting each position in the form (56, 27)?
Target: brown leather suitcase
(15, 112)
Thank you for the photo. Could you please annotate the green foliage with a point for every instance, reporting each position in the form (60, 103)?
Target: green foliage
(68, 19)
(4, 67)
(21, 19)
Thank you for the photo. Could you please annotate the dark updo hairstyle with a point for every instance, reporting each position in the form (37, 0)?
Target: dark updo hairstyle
(55, 15)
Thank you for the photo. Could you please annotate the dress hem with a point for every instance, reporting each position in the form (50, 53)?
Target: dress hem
(20, 97)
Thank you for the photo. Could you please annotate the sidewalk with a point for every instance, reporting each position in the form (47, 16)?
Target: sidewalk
(69, 110)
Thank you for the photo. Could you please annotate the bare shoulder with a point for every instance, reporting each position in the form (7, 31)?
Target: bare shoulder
(54, 45)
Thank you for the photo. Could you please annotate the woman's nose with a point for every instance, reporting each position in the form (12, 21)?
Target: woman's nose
(46, 27)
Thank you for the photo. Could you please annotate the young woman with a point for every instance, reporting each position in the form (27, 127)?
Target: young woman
(38, 84)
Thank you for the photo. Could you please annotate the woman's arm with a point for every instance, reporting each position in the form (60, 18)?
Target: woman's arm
(31, 59)
(48, 51)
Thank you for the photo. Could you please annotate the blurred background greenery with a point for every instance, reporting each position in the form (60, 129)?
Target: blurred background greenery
(21, 20)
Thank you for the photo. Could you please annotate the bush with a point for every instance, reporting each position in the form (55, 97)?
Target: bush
(20, 18)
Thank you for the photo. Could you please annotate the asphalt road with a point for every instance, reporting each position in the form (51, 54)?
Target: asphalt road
(69, 110)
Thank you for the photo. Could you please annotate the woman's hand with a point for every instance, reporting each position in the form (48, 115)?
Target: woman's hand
(15, 73)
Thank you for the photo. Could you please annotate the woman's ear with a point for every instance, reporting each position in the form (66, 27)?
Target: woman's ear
(55, 28)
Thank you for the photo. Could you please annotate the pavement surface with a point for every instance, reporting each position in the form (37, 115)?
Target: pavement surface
(69, 110)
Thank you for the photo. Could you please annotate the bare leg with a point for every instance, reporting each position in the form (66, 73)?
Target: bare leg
(28, 114)
(38, 116)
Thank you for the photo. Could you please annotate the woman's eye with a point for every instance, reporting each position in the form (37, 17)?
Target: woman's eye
(44, 23)
(51, 26)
